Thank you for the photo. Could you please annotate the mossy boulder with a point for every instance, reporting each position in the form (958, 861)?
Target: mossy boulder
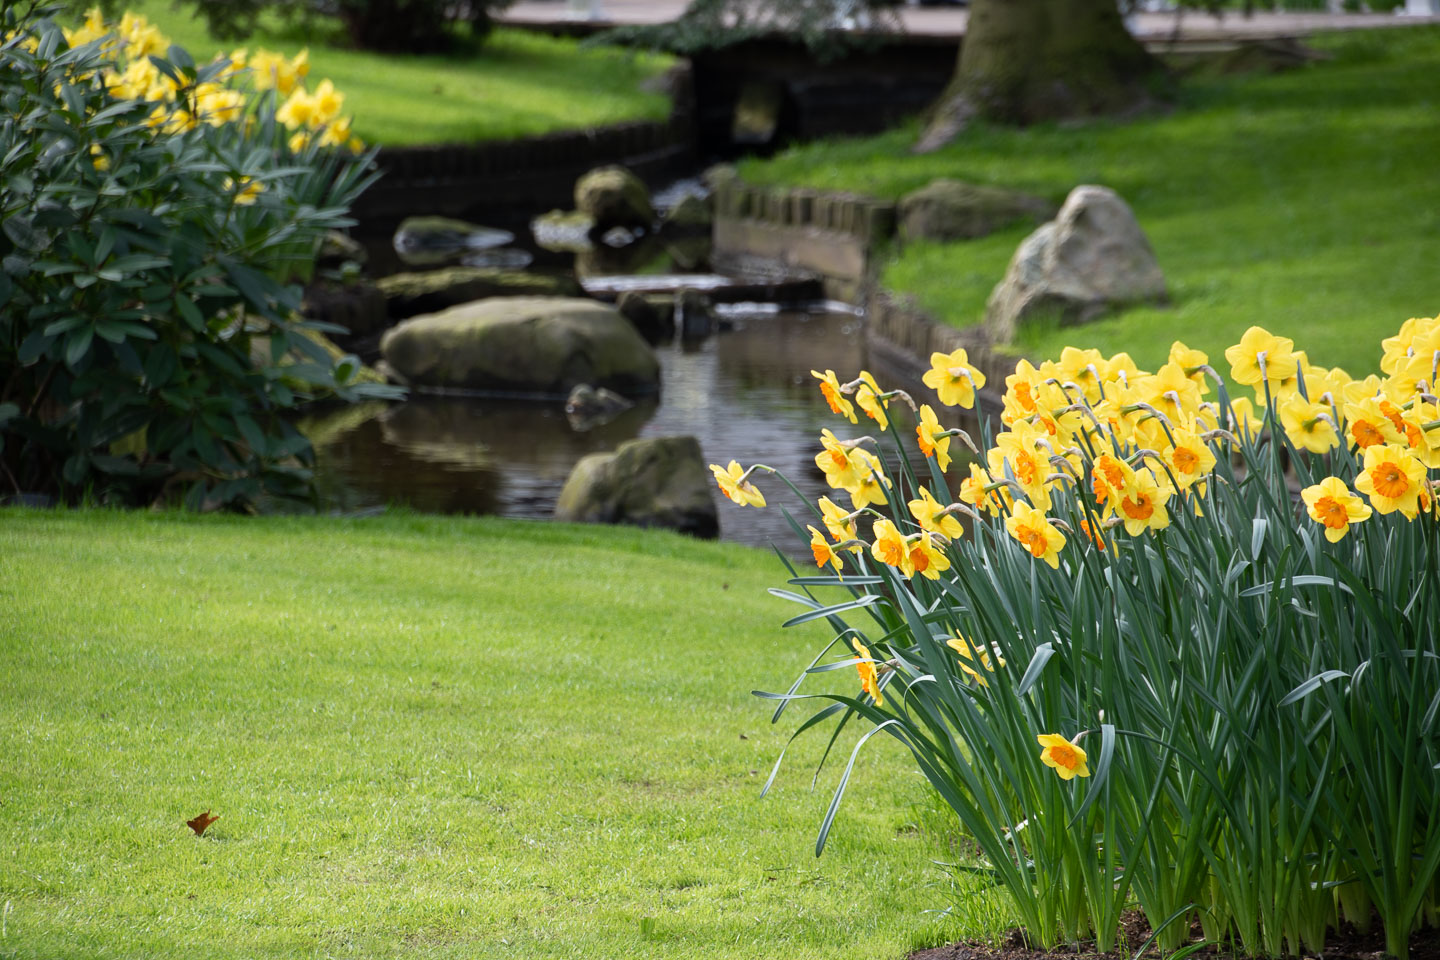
(946, 210)
(649, 482)
(430, 291)
(536, 345)
(614, 197)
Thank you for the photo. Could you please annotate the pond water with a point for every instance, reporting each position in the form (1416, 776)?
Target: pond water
(746, 393)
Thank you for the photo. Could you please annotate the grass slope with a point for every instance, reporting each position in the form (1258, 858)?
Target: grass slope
(1306, 202)
(519, 84)
(424, 737)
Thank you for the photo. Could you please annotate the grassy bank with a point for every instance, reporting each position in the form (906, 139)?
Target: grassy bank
(518, 84)
(424, 737)
(1307, 202)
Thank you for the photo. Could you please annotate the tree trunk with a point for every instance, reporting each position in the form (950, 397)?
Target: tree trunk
(1025, 61)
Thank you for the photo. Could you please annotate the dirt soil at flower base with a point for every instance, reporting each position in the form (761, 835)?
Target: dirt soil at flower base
(1347, 944)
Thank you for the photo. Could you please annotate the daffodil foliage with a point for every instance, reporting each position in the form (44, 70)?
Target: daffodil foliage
(1182, 657)
(155, 217)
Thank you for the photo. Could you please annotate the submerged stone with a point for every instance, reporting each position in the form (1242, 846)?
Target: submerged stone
(430, 291)
(614, 197)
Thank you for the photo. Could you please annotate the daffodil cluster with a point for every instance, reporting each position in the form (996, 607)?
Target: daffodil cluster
(1217, 587)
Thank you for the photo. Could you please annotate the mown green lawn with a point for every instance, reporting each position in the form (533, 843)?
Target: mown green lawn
(1306, 202)
(426, 737)
(518, 84)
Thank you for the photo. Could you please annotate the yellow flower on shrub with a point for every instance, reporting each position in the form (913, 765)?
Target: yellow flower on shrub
(924, 510)
(1259, 346)
(247, 191)
(867, 395)
(1332, 504)
(933, 442)
(1066, 758)
(1142, 503)
(1309, 424)
(821, 549)
(736, 486)
(869, 679)
(1392, 478)
(1033, 530)
(953, 379)
(830, 390)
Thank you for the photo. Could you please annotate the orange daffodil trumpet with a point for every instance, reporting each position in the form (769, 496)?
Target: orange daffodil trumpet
(1062, 756)
(869, 677)
(1331, 503)
(934, 440)
(1032, 528)
(830, 389)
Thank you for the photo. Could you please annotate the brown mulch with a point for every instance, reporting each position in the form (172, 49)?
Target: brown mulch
(1345, 944)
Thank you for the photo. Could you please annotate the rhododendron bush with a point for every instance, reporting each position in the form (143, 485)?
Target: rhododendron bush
(156, 218)
(1182, 654)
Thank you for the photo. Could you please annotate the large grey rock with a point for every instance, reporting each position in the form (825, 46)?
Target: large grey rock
(430, 291)
(945, 210)
(546, 345)
(614, 197)
(1090, 259)
(651, 482)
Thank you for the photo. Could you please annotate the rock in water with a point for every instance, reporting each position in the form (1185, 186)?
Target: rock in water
(614, 197)
(588, 408)
(430, 291)
(427, 241)
(650, 482)
(947, 210)
(655, 320)
(1091, 258)
(540, 345)
(694, 314)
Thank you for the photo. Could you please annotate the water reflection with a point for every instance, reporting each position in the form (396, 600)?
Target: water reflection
(747, 394)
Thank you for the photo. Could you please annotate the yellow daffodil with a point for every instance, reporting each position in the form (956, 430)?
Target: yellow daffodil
(1033, 530)
(1029, 462)
(967, 652)
(1021, 390)
(1086, 369)
(1109, 477)
(844, 467)
(820, 547)
(867, 395)
(953, 379)
(873, 483)
(1259, 346)
(1249, 417)
(837, 521)
(298, 112)
(1189, 457)
(736, 486)
(933, 442)
(830, 389)
(890, 547)
(1191, 361)
(973, 491)
(1367, 424)
(869, 679)
(924, 510)
(925, 558)
(1097, 538)
(1392, 478)
(1424, 443)
(1066, 758)
(1331, 503)
(1309, 425)
(1142, 503)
